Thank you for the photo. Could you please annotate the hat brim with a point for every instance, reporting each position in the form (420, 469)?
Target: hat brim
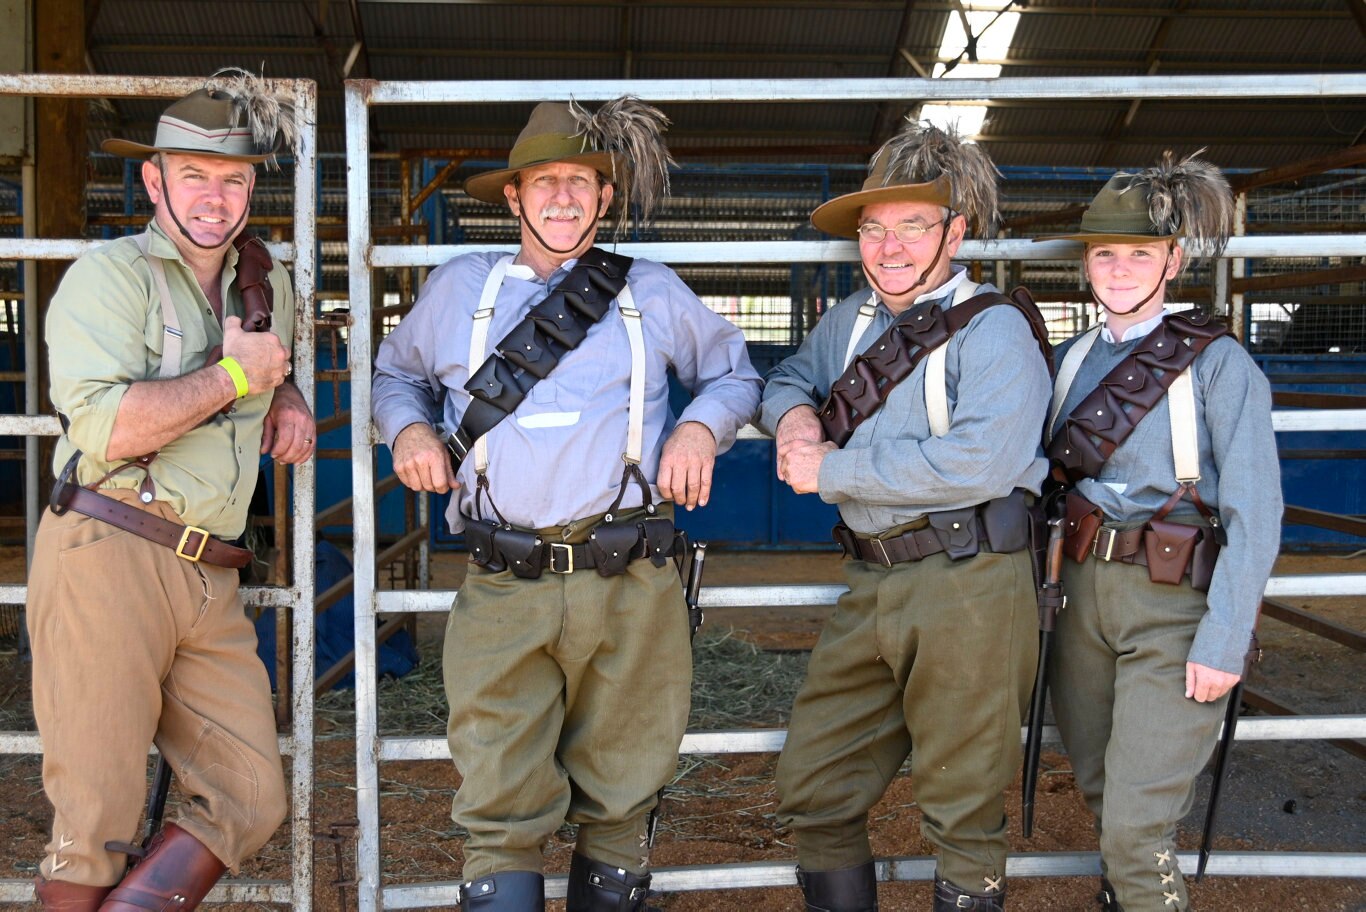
(487, 186)
(840, 215)
(128, 149)
(1106, 237)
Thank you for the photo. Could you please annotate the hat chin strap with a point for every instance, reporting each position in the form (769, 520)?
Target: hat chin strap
(925, 274)
(592, 226)
(161, 165)
(1141, 304)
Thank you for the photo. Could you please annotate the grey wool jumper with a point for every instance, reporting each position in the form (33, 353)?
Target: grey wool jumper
(892, 470)
(1239, 480)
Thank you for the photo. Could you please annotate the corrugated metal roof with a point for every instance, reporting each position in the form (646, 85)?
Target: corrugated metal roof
(700, 39)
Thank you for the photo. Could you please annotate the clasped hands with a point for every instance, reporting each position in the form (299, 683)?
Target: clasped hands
(801, 447)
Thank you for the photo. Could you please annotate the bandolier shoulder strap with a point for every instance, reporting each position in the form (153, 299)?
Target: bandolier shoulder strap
(870, 378)
(532, 349)
(1103, 420)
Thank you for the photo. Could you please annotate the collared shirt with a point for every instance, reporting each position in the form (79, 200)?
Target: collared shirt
(105, 333)
(558, 456)
(893, 470)
(1239, 480)
(1137, 331)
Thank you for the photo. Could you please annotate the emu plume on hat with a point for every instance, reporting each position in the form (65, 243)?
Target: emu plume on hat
(233, 117)
(622, 140)
(921, 164)
(1189, 198)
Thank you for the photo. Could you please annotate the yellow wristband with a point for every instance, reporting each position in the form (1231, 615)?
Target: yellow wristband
(239, 376)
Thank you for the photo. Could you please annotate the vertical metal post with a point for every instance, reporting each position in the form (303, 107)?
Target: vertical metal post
(360, 357)
(1237, 312)
(305, 475)
(32, 354)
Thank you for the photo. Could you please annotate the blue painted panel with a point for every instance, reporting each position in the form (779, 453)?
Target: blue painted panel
(1332, 485)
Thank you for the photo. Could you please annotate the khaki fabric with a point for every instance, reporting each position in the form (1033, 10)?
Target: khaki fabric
(568, 696)
(1136, 743)
(933, 659)
(104, 333)
(134, 646)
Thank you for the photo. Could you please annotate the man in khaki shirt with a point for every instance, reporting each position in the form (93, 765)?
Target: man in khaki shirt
(169, 391)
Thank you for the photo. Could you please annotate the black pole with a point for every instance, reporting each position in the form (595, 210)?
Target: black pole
(1051, 599)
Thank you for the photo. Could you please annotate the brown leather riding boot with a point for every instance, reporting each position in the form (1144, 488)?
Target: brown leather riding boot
(176, 875)
(62, 896)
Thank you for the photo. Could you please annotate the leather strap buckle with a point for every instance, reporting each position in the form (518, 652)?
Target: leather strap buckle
(193, 554)
(880, 548)
(557, 549)
(1104, 551)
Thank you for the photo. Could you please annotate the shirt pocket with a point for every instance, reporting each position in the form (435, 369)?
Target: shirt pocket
(578, 376)
(194, 342)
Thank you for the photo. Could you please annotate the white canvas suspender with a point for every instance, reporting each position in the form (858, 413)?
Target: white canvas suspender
(172, 335)
(635, 416)
(936, 386)
(479, 340)
(1180, 408)
(861, 324)
(1067, 372)
(1185, 441)
(479, 334)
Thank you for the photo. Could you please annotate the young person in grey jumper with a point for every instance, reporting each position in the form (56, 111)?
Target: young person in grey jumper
(923, 650)
(1143, 669)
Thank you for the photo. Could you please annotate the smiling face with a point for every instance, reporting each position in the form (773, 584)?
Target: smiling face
(208, 195)
(559, 205)
(895, 267)
(1123, 275)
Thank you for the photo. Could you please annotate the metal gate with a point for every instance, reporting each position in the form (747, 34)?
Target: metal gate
(298, 598)
(366, 256)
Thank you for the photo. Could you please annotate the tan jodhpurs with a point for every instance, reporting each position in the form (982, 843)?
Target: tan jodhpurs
(134, 646)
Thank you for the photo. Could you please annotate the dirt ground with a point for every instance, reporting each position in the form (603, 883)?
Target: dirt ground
(1303, 796)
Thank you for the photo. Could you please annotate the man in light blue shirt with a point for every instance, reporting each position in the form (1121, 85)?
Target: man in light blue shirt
(567, 656)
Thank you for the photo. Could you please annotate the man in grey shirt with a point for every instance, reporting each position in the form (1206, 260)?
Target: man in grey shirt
(567, 658)
(924, 650)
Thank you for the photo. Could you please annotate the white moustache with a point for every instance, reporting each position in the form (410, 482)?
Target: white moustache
(555, 211)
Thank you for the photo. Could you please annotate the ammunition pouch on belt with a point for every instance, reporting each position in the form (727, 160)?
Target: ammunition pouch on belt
(1171, 551)
(1002, 526)
(611, 546)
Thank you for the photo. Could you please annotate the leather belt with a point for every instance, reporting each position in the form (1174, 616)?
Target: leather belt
(914, 545)
(1122, 545)
(562, 558)
(189, 543)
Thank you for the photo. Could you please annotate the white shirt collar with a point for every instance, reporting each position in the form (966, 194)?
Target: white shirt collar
(957, 274)
(527, 274)
(1137, 331)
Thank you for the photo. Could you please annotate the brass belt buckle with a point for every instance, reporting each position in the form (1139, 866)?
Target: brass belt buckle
(567, 551)
(194, 555)
(1106, 551)
(883, 557)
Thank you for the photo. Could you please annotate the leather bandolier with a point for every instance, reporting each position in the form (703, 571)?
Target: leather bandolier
(1004, 525)
(1101, 423)
(527, 354)
(872, 375)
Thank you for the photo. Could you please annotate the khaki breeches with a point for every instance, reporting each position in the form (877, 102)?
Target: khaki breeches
(133, 646)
